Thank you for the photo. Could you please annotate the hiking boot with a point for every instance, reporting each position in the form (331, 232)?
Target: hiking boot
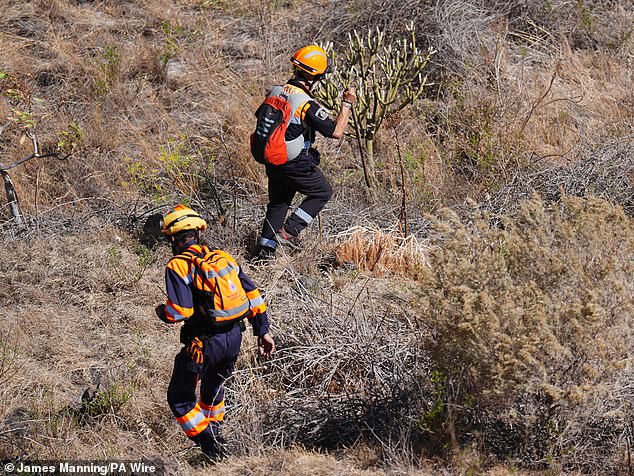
(214, 448)
(266, 254)
(285, 238)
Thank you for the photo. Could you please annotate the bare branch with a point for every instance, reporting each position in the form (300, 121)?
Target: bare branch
(4, 168)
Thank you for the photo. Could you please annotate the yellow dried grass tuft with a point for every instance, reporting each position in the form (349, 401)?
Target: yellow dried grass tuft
(382, 252)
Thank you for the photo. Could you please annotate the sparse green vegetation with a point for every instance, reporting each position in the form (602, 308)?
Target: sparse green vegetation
(108, 69)
(70, 139)
(106, 402)
(182, 172)
(171, 36)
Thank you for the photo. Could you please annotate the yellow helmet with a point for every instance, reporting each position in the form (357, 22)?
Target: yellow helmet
(182, 218)
(312, 59)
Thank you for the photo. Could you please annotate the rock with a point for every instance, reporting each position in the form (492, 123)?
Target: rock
(175, 71)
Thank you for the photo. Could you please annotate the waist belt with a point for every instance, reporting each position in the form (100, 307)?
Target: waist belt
(188, 334)
(224, 329)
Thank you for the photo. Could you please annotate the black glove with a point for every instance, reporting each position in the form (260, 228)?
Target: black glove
(160, 312)
(195, 350)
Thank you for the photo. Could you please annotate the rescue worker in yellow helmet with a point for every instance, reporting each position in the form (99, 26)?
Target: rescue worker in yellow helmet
(301, 173)
(209, 293)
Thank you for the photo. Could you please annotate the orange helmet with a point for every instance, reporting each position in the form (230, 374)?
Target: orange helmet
(182, 218)
(311, 59)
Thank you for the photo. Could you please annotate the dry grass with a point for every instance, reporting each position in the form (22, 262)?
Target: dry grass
(517, 90)
(137, 77)
(350, 374)
(68, 338)
(383, 253)
(294, 462)
(81, 316)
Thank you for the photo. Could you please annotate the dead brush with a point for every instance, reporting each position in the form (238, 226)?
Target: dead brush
(344, 373)
(381, 252)
(347, 370)
(605, 171)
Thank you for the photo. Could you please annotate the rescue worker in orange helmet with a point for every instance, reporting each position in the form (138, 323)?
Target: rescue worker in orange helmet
(209, 293)
(301, 173)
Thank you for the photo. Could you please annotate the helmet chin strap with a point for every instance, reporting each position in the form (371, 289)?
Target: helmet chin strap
(312, 83)
(179, 245)
(308, 79)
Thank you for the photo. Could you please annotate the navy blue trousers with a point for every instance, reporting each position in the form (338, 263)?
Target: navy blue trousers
(300, 175)
(201, 419)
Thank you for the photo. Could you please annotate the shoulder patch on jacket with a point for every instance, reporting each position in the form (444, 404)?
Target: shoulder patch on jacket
(322, 114)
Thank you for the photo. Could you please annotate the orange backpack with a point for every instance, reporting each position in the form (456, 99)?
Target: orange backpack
(267, 142)
(216, 280)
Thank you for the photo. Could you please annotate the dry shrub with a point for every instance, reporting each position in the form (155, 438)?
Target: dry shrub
(482, 139)
(531, 328)
(383, 253)
(341, 376)
(463, 31)
(582, 96)
(345, 371)
(605, 171)
(458, 29)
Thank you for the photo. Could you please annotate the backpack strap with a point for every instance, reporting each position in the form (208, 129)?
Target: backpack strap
(211, 256)
(299, 101)
(190, 255)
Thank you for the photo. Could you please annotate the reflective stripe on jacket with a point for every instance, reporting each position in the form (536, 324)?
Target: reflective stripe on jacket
(179, 283)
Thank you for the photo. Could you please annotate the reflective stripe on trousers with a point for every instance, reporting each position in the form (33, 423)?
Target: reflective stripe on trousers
(214, 412)
(220, 354)
(194, 422)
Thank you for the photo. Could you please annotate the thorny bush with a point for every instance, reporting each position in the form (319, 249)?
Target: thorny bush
(532, 324)
(345, 372)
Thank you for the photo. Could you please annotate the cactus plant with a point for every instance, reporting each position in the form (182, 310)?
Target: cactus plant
(388, 76)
